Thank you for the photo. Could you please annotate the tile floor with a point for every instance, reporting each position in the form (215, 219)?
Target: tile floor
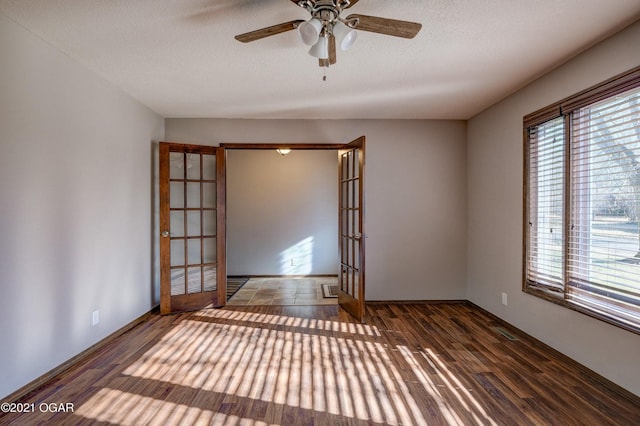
(284, 291)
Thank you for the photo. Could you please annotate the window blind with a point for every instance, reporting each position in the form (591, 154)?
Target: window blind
(604, 236)
(546, 205)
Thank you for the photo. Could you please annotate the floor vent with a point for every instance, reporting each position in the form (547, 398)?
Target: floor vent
(329, 290)
(506, 334)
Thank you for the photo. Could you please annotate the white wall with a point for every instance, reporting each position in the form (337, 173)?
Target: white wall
(282, 213)
(495, 176)
(75, 215)
(415, 186)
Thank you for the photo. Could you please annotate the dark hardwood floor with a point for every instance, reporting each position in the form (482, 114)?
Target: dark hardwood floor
(303, 365)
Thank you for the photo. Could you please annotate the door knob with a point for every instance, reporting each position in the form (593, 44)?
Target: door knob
(165, 234)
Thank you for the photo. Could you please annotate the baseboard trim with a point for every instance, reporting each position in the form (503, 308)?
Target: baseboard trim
(51, 374)
(413, 302)
(614, 387)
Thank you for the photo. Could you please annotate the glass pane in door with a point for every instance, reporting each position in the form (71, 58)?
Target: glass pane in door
(209, 222)
(193, 195)
(195, 279)
(209, 195)
(176, 165)
(194, 255)
(177, 281)
(209, 255)
(193, 223)
(177, 223)
(176, 196)
(210, 280)
(193, 166)
(177, 252)
(208, 167)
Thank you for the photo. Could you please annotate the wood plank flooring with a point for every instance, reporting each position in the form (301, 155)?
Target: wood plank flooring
(431, 364)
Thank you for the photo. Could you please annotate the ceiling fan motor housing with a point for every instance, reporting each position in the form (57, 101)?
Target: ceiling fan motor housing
(325, 10)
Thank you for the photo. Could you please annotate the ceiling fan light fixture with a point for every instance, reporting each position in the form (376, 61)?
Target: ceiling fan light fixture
(309, 31)
(345, 35)
(283, 151)
(320, 50)
(326, 31)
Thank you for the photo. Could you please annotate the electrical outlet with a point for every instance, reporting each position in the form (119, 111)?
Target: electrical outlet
(95, 318)
(504, 299)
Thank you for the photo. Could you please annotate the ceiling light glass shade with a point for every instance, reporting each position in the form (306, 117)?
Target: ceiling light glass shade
(345, 36)
(321, 49)
(283, 151)
(310, 31)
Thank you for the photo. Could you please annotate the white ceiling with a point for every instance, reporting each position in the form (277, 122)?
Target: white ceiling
(180, 58)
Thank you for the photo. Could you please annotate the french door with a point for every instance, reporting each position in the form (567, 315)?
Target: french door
(192, 227)
(351, 227)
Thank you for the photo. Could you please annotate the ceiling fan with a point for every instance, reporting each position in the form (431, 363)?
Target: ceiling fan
(326, 28)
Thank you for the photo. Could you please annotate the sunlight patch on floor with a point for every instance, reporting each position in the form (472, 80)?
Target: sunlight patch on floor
(290, 321)
(309, 365)
(323, 373)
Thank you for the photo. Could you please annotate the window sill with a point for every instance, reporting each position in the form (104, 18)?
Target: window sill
(558, 299)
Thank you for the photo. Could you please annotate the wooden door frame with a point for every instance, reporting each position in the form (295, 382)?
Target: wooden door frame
(276, 145)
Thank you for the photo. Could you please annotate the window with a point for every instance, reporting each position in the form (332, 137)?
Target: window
(582, 202)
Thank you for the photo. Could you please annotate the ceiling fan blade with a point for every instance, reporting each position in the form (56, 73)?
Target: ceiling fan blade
(392, 27)
(332, 53)
(269, 31)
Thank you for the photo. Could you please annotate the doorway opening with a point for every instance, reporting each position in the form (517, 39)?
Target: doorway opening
(193, 223)
(281, 226)
(350, 215)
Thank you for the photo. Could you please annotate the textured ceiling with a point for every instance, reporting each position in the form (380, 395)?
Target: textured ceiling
(180, 58)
